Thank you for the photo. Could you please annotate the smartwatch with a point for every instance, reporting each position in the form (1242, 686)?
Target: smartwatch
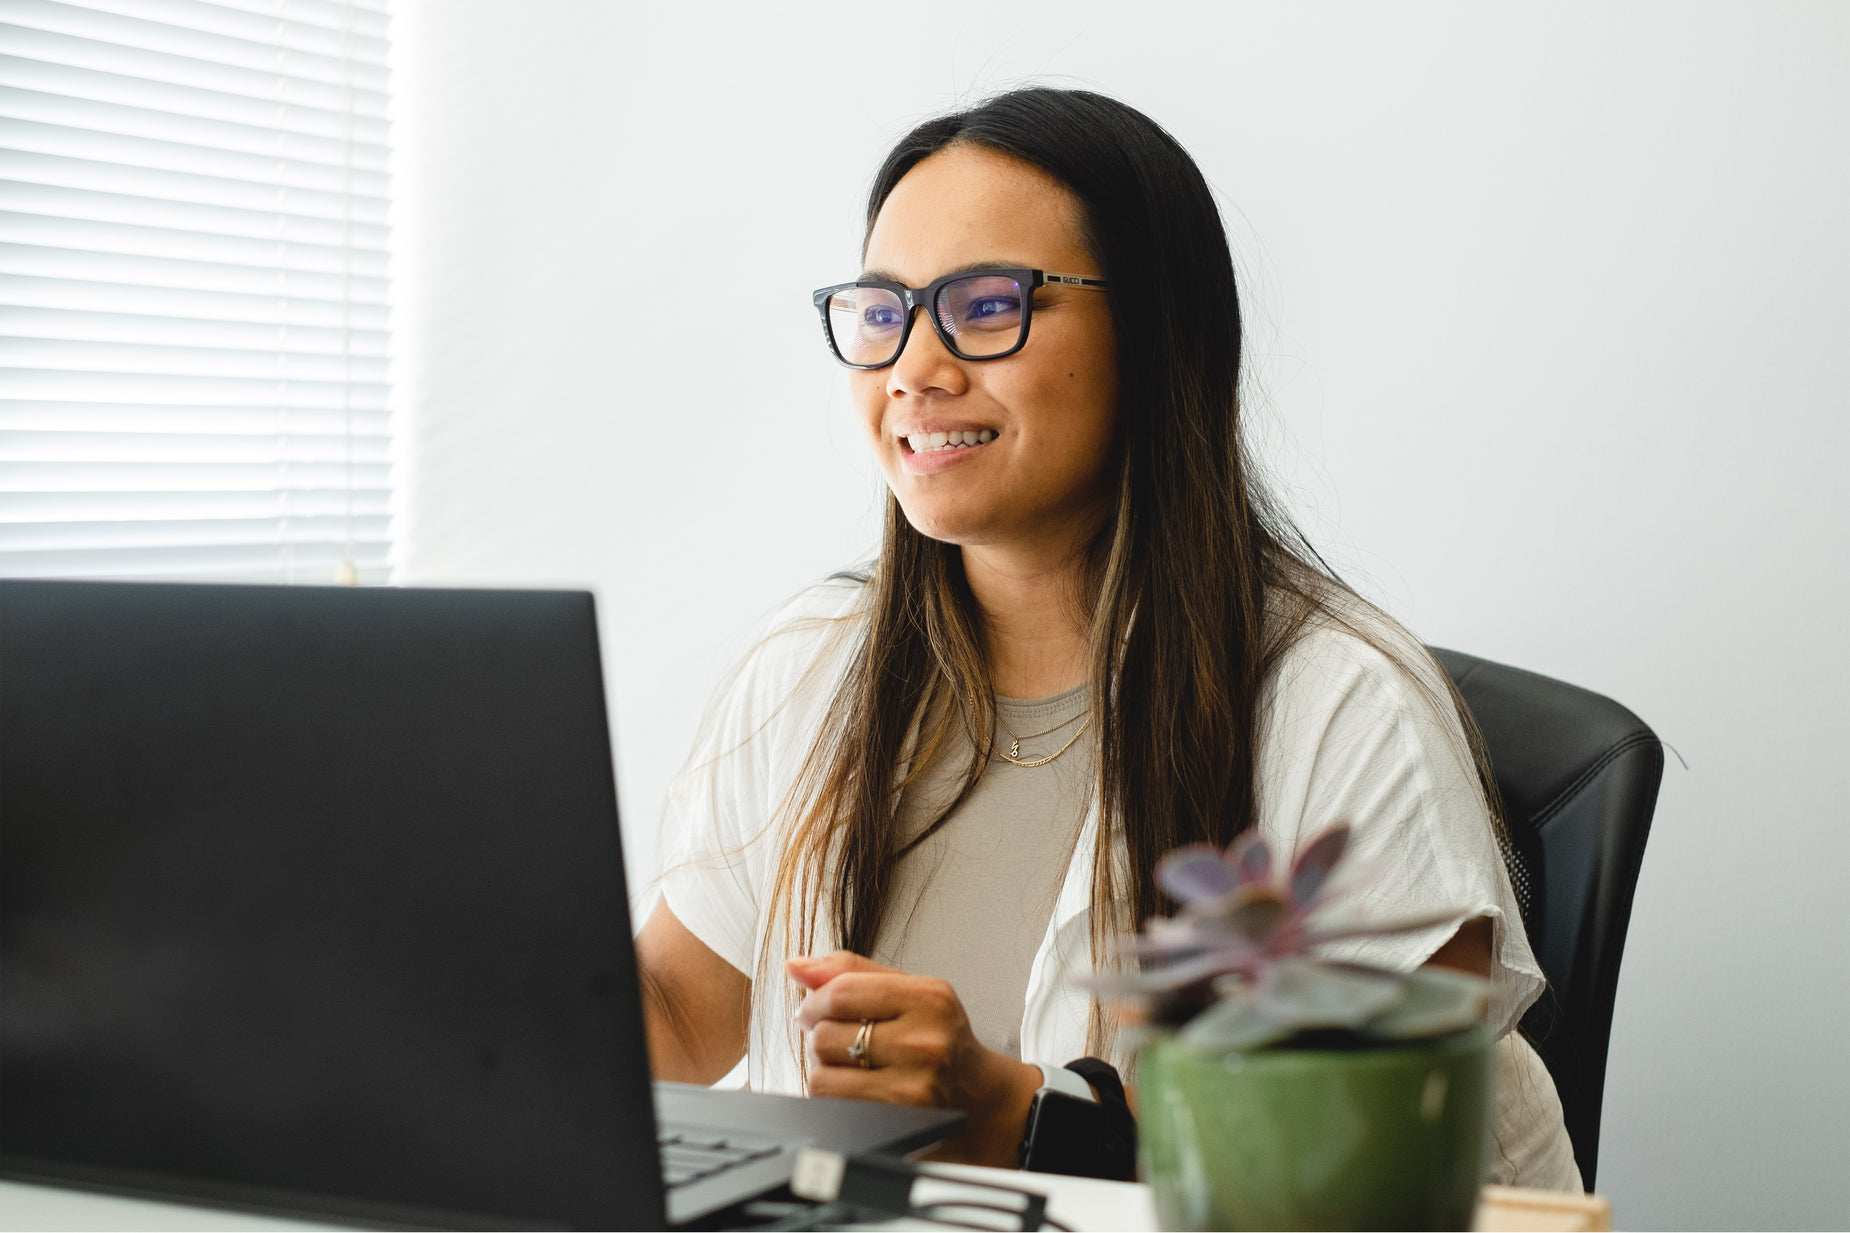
(1066, 1125)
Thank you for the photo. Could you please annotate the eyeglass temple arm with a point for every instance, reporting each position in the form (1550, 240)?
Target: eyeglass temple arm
(1074, 280)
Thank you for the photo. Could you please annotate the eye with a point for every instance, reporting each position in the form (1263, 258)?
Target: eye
(992, 307)
(881, 317)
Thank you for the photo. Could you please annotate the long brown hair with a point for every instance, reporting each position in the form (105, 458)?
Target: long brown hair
(1194, 588)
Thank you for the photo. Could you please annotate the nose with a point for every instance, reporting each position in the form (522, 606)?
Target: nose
(925, 364)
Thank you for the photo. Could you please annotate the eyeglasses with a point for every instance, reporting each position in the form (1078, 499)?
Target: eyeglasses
(979, 314)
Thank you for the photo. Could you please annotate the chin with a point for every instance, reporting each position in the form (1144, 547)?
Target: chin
(945, 526)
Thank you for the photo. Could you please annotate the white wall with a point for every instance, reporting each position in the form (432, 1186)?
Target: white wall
(1552, 323)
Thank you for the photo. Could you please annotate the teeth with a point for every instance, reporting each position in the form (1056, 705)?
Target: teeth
(929, 442)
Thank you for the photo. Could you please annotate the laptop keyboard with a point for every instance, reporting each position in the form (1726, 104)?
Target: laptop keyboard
(690, 1156)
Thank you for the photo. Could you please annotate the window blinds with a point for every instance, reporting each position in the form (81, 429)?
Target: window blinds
(193, 289)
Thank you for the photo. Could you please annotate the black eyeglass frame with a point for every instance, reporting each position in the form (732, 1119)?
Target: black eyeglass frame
(913, 298)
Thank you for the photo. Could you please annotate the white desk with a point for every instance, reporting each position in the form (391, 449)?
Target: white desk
(25, 1206)
(1077, 1201)
(1080, 1202)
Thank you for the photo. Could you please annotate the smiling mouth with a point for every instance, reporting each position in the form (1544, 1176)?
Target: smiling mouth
(937, 442)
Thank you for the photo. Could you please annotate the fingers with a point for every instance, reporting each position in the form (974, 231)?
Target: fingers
(831, 1039)
(815, 971)
(889, 1086)
(874, 995)
(917, 1025)
(892, 1044)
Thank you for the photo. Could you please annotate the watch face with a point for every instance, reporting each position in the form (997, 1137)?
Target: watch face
(1067, 1135)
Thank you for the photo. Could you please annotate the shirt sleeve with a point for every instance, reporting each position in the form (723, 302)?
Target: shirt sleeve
(710, 881)
(1352, 735)
(722, 813)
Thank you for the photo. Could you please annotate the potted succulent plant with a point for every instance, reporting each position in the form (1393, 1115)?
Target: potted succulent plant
(1282, 1091)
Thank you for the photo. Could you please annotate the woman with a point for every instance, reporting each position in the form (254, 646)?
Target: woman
(934, 795)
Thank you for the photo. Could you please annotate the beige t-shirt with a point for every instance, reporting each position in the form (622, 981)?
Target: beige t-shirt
(970, 904)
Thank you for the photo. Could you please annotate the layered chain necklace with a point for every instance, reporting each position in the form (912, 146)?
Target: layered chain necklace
(1013, 755)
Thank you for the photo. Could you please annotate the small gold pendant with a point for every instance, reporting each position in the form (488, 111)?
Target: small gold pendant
(1015, 750)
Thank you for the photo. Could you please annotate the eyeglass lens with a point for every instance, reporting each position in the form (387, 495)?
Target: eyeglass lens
(982, 315)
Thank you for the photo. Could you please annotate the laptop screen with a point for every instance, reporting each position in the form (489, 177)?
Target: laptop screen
(314, 898)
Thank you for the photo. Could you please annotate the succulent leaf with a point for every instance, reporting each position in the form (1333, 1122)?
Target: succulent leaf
(1233, 1022)
(1250, 859)
(1302, 993)
(1195, 874)
(1232, 969)
(1312, 866)
(1437, 1000)
(1168, 978)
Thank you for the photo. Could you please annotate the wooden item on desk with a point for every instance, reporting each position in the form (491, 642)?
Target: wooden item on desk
(1516, 1209)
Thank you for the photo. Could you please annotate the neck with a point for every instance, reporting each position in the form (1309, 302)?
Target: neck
(1033, 618)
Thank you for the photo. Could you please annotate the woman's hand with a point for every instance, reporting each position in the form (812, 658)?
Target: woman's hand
(920, 1051)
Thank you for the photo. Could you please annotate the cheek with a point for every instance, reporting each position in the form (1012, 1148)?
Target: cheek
(867, 395)
(1084, 402)
(1079, 395)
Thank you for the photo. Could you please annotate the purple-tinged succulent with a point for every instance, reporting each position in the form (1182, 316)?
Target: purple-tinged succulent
(1233, 968)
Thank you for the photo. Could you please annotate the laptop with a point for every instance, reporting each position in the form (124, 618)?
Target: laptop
(312, 900)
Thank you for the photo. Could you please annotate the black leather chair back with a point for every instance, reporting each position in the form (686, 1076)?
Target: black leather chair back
(1579, 776)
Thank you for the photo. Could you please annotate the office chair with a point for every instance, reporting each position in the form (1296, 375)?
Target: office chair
(1579, 776)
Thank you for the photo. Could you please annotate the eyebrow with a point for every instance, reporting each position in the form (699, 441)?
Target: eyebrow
(887, 276)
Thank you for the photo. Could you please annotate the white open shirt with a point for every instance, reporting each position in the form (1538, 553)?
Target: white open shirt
(1345, 735)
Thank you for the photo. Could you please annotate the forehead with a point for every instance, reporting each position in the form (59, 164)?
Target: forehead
(967, 204)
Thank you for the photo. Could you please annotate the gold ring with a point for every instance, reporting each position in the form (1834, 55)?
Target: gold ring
(857, 1052)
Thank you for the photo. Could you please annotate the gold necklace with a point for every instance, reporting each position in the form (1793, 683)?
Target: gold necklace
(1013, 755)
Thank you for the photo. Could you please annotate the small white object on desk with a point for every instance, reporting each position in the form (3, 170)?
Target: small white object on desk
(1077, 1202)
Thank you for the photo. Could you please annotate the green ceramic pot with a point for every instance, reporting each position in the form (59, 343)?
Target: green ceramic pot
(1390, 1138)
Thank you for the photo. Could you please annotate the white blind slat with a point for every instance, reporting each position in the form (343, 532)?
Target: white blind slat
(200, 33)
(283, 115)
(283, 168)
(308, 26)
(82, 356)
(282, 80)
(371, 18)
(256, 562)
(117, 239)
(199, 136)
(194, 289)
(277, 281)
(154, 301)
(192, 477)
(243, 448)
(99, 417)
(82, 205)
(149, 533)
(21, 508)
(58, 171)
(182, 390)
(50, 323)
